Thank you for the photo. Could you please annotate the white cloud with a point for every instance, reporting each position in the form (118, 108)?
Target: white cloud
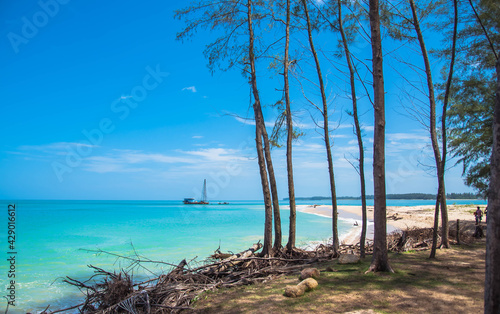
(249, 121)
(108, 167)
(190, 88)
(197, 136)
(310, 147)
(245, 120)
(138, 161)
(217, 154)
(368, 128)
(407, 136)
(398, 143)
(55, 147)
(336, 136)
(126, 161)
(312, 165)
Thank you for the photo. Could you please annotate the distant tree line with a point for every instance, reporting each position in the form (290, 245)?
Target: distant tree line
(405, 196)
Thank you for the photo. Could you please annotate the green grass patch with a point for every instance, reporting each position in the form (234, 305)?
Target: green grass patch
(452, 282)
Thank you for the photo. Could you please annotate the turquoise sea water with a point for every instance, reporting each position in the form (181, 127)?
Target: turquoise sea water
(52, 238)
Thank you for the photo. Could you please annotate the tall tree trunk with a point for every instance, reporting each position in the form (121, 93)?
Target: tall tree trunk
(358, 131)
(434, 232)
(444, 212)
(380, 260)
(329, 157)
(492, 280)
(289, 167)
(432, 120)
(274, 189)
(268, 228)
(267, 154)
(445, 228)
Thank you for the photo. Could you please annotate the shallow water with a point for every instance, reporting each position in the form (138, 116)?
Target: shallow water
(53, 239)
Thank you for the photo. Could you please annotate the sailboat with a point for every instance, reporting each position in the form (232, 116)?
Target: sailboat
(203, 201)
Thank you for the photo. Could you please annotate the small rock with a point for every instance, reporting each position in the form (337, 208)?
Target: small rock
(309, 273)
(309, 284)
(348, 259)
(294, 291)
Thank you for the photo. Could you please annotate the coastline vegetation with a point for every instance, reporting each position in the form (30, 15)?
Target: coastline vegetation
(405, 196)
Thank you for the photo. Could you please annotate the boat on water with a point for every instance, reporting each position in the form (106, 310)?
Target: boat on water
(203, 201)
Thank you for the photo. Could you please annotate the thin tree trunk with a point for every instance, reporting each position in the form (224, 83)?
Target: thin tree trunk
(268, 229)
(358, 132)
(492, 280)
(289, 167)
(445, 227)
(444, 212)
(434, 232)
(335, 243)
(380, 260)
(432, 114)
(274, 189)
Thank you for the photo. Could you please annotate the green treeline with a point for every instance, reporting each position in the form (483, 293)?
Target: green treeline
(406, 196)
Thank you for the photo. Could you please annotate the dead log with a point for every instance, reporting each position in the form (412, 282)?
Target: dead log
(236, 258)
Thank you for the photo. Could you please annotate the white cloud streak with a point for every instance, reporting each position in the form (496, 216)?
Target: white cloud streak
(190, 88)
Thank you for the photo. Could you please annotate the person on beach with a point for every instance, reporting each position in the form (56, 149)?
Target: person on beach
(479, 215)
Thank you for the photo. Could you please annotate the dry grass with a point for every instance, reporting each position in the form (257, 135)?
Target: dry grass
(453, 283)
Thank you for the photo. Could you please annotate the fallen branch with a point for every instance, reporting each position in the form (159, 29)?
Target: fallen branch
(176, 290)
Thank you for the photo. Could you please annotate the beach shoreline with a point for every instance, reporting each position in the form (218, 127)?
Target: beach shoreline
(398, 217)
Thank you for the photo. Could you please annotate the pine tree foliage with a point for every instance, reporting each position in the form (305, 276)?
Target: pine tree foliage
(472, 100)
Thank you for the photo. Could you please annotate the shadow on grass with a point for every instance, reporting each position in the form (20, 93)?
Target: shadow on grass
(451, 283)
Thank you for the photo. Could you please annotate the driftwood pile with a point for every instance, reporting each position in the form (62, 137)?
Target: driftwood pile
(108, 292)
(175, 291)
(417, 239)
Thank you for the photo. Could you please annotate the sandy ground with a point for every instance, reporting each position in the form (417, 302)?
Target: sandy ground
(398, 217)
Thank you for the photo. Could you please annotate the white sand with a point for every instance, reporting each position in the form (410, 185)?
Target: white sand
(398, 217)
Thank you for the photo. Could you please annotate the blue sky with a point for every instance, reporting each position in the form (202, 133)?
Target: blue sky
(101, 102)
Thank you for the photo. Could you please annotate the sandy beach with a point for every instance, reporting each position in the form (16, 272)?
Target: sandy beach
(398, 217)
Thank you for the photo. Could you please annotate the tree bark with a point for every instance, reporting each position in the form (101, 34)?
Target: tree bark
(289, 166)
(434, 232)
(274, 189)
(380, 260)
(335, 242)
(432, 127)
(358, 132)
(492, 280)
(444, 212)
(445, 226)
(268, 231)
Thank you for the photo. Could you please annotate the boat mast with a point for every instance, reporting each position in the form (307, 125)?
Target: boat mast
(204, 193)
